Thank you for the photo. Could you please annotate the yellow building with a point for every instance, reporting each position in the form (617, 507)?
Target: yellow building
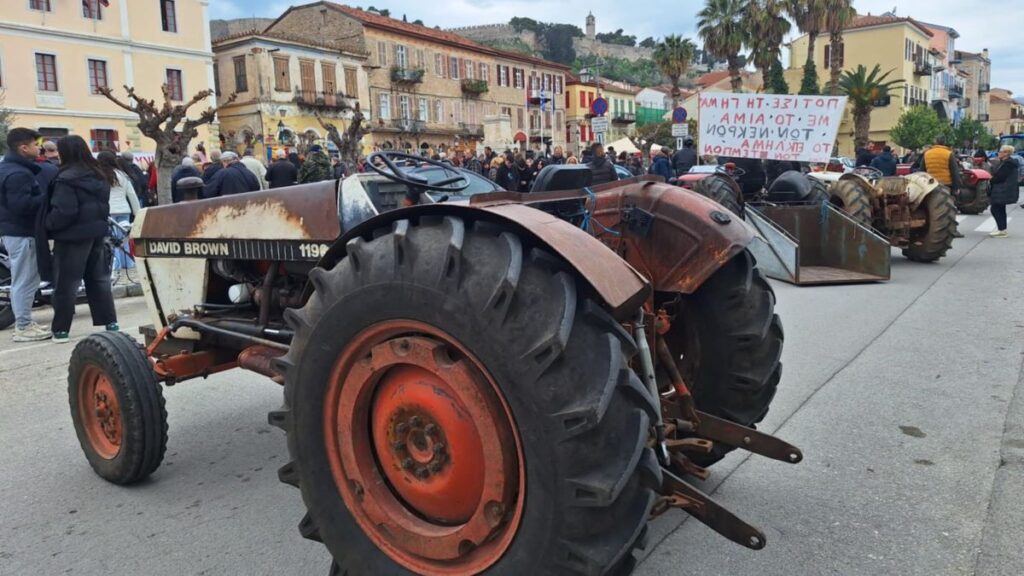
(54, 54)
(899, 44)
(580, 95)
(429, 88)
(280, 84)
(1006, 115)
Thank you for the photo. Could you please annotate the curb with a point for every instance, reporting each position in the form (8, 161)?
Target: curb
(127, 290)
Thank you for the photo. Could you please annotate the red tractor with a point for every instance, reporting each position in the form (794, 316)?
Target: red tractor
(510, 383)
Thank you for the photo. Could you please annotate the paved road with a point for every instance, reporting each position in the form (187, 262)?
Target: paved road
(907, 399)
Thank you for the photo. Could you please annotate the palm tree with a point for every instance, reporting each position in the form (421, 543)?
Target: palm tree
(809, 16)
(673, 56)
(721, 26)
(839, 14)
(863, 89)
(767, 28)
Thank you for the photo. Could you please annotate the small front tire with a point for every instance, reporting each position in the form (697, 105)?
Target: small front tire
(117, 407)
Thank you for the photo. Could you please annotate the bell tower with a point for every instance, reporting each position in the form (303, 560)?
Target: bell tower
(591, 26)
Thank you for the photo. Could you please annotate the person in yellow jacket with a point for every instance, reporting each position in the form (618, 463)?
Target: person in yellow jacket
(941, 163)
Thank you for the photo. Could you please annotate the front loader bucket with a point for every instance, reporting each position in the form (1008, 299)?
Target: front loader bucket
(808, 244)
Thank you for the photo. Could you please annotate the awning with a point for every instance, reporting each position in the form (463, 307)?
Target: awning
(520, 136)
(623, 145)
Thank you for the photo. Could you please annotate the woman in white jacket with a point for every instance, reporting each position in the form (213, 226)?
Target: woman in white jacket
(124, 204)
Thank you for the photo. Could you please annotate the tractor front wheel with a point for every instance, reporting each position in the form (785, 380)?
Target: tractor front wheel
(117, 407)
(931, 242)
(456, 403)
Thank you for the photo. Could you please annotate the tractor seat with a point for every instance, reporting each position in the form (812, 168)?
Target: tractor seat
(790, 186)
(562, 177)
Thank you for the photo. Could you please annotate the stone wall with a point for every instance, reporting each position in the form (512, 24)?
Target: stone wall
(224, 28)
(588, 47)
(330, 26)
(583, 46)
(497, 33)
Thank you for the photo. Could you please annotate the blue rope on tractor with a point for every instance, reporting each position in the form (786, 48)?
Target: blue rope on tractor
(587, 220)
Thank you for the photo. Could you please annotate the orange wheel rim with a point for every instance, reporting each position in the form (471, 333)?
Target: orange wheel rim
(423, 449)
(100, 413)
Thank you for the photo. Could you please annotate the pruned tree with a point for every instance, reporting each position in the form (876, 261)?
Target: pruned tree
(347, 141)
(169, 126)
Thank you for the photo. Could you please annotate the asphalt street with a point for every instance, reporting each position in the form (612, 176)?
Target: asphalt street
(907, 399)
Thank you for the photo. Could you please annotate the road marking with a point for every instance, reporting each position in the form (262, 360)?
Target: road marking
(989, 225)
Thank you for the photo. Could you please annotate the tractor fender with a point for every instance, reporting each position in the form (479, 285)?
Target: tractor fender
(678, 239)
(618, 285)
(919, 186)
(977, 174)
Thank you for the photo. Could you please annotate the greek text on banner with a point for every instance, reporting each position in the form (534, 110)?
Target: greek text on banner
(769, 126)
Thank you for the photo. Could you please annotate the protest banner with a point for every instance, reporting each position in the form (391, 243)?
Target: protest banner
(769, 126)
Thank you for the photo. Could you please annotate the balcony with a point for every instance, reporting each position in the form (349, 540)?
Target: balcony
(983, 117)
(472, 87)
(624, 118)
(471, 129)
(983, 88)
(408, 125)
(407, 75)
(956, 92)
(322, 100)
(922, 69)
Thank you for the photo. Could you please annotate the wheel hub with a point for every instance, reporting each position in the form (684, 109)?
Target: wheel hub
(423, 449)
(100, 413)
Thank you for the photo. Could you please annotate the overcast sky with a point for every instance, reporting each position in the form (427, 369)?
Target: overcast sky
(982, 25)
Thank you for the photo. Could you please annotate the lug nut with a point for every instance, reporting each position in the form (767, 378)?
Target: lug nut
(439, 448)
(415, 421)
(402, 428)
(435, 466)
(408, 464)
(430, 428)
(398, 445)
(422, 472)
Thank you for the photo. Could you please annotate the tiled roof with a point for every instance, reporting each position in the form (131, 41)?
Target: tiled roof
(712, 78)
(869, 20)
(408, 29)
(275, 35)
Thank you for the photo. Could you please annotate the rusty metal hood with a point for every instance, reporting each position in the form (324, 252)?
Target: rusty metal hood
(306, 212)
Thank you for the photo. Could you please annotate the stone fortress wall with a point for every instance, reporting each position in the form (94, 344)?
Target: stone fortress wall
(586, 46)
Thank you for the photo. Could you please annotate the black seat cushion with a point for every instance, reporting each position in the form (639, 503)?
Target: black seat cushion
(562, 177)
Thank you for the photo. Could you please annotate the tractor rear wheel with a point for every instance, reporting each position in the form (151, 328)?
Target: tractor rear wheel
(931, 242)
(729, 343)
(117, 407)
(455, 403)
(973, 200)
(722, 189)
(849, 197)
(6, 310)
(819, 191)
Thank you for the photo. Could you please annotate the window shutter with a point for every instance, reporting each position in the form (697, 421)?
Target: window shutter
(115, 139)
(92, 140)
(462, 67)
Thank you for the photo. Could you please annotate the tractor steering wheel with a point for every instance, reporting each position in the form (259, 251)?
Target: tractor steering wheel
(868, 172)
(417, 183)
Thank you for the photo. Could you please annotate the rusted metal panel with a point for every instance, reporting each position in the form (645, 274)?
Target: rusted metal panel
(689, 236)
(305, 212)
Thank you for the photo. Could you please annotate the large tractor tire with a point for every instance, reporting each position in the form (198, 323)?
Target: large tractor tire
(849, 197)
(722, 189)
(973, 200)
(931, 242)
(729, 343)
(456, 402)
(6, 310)
(819, 191)
(117, 407)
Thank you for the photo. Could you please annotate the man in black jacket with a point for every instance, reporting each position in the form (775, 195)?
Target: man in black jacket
(20, 200)
(885, 162)
(186, 169)
(282, 172)
(214, 167)
(684, 158)
(234, 178)
(139, 180)
(604, 171)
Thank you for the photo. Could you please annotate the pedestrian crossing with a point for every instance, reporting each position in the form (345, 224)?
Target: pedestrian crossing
(988, 224)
